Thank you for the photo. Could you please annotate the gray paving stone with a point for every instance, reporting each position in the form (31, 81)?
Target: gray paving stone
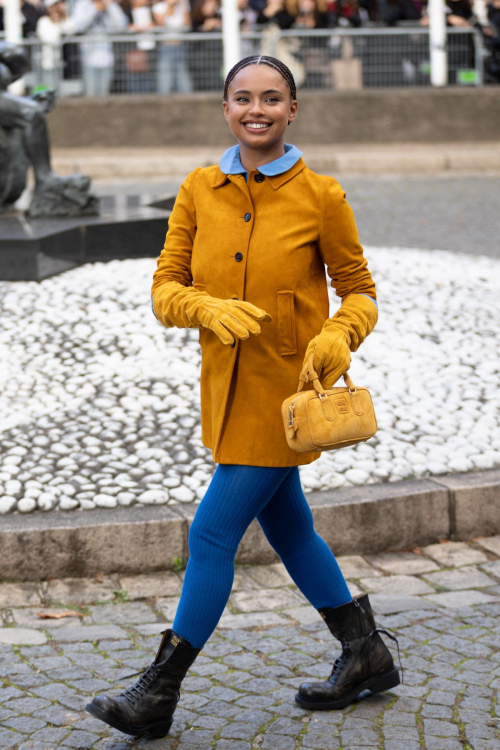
(396, 745)
(396, 732)
(399, 718)
(79, 739)
(442, 743)
(151, 585)
(317, 741)
(210, 722)
(467, 577)
(491, 543)
(229, 745)
(10, 739)
(132, 613)
(358, 737)
(278, 742)
(239, 731)
(27, 705)
(251, 620)
(454, 554)
(76, 591)
(21, 636)
(437, 712)
(58, 715)
(386, 604)
(24, 724)
(265, 599)
(396, 584)
(53, 735)
(438, 728)
(88, 633)
(19, 595)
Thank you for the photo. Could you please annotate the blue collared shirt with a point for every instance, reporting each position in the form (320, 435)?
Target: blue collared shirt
(231, 163)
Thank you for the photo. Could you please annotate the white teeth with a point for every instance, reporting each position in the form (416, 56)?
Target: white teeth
(256, 125)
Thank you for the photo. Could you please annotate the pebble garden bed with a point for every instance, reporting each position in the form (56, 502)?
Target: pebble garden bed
(99, 403)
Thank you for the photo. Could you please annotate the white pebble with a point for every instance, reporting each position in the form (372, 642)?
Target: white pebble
(182, 494)
(26, 505)
(357, 476)
(125, 498)
(154, 497)
(105, 501)
(47, 501)
(68, 503)
(7, 504)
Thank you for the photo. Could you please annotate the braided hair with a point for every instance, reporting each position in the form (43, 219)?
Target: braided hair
(273, 62)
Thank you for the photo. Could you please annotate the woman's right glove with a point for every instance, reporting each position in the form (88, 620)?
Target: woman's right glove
(341, 334)
(186, 307)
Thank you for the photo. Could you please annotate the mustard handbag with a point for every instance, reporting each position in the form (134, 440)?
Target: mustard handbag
(323, 420)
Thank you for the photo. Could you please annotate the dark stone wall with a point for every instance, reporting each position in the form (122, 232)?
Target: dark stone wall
(366, 116)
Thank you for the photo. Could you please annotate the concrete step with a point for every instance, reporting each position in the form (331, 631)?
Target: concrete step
(354, 521)
(176, 163)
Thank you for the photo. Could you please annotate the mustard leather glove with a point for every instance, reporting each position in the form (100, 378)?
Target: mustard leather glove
(186, 307)
(341, 335)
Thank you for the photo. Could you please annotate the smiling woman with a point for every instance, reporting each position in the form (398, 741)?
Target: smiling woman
(244, 261)
(260, 99)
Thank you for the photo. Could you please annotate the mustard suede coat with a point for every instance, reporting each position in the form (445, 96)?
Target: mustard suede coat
(265, 242)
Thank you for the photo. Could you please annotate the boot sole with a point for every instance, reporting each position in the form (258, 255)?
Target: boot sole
(375, 684)
(158, 729)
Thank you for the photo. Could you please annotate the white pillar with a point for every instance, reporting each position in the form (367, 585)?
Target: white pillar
(13, 24)
(230, 34)
(437, 42)
(13, 21)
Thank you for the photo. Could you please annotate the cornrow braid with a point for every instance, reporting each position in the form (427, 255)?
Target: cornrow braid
(273, 62)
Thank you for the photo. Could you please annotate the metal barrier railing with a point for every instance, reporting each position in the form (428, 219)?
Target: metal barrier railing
(154, 62)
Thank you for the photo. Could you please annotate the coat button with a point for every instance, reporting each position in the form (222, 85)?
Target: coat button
(247, 217)
(233, 344)
(238, 257)
(259, 177)
(234, 298)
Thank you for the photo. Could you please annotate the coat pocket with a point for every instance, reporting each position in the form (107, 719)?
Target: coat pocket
(286, 323)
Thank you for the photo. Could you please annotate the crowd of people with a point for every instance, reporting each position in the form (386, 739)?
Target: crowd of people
(157, 63)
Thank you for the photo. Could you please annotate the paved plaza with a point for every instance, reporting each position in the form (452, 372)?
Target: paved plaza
(442, 602)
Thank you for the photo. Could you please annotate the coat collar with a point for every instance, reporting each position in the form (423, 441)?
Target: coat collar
(276, 180)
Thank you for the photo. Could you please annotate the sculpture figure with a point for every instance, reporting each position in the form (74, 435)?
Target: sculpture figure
(24, 141)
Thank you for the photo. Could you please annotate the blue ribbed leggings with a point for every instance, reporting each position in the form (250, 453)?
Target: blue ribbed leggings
(237, 494)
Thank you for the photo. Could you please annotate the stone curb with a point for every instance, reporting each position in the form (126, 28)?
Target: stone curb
(358, 520)
(175, 163)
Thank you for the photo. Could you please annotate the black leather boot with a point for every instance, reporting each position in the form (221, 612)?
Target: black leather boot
(148, 706)
(365, 662)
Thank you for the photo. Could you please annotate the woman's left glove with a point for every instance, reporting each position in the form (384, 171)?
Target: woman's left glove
(341, 335)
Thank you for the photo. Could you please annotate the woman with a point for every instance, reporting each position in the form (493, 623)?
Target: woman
(244, 262)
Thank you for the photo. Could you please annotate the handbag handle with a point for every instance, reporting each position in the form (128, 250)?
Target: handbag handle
(313, 377)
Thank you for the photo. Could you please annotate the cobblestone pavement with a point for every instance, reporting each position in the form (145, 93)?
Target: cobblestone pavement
(442, 602)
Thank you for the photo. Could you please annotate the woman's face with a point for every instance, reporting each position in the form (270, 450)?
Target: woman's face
(259, 106)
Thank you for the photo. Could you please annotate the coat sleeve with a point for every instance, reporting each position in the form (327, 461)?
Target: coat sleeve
(172, 280)
(339, 245)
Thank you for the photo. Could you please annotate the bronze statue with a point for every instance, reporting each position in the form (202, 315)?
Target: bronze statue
(24, 141)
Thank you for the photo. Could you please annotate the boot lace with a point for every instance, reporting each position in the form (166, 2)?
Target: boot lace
(143, 684)
(339, 664)
(378, 629)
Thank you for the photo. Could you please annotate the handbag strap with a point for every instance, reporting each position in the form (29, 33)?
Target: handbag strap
(309, 374)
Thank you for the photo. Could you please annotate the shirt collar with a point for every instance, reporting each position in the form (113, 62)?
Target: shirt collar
(230, 162)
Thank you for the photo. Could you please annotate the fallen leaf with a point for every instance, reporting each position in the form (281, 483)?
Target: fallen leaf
(58, 615)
